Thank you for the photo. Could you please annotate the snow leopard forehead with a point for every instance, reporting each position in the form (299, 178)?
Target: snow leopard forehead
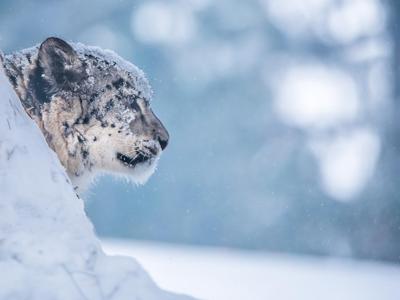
(103, 62)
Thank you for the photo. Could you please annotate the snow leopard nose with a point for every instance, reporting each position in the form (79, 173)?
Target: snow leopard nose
(148, 125)
(162, 136)
(159, 132)
(163, 143)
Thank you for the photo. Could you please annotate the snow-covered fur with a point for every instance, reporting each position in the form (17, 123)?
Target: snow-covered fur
(92, 106)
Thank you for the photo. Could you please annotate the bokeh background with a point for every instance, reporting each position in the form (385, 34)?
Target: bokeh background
(284, 118)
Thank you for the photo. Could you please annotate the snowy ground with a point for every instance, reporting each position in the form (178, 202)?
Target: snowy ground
(223, 274)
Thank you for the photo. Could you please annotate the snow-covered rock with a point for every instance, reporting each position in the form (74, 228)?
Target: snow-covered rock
(48, 248)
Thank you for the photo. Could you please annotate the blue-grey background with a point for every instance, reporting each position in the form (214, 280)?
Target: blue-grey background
(283, 117)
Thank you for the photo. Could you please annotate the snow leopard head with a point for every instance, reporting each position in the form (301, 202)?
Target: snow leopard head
(92, 106)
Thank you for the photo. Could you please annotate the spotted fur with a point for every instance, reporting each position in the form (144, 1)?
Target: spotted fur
(92, 106)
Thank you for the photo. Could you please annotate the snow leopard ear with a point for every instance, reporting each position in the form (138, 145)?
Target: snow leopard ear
(60, 64)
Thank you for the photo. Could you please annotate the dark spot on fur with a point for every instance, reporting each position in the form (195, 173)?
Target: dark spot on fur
(108, 87)
(80, 139)
(94, 139)
(13, 80)
(67, 129)
(104, 124)
(28, 56)
(109, 134)
(93, 97)
(119, 131)
(118, 83)
(94, 112)
(92, 58)
(89, 56)
(85, 119)
(85, 154)
(109, 105)
(112, 125)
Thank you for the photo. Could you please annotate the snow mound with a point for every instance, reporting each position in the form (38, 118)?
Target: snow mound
(48, 249)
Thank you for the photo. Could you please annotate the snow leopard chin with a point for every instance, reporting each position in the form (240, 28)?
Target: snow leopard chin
(137, 176)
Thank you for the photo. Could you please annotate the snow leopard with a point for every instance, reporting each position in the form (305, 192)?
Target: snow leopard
(93, 108)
